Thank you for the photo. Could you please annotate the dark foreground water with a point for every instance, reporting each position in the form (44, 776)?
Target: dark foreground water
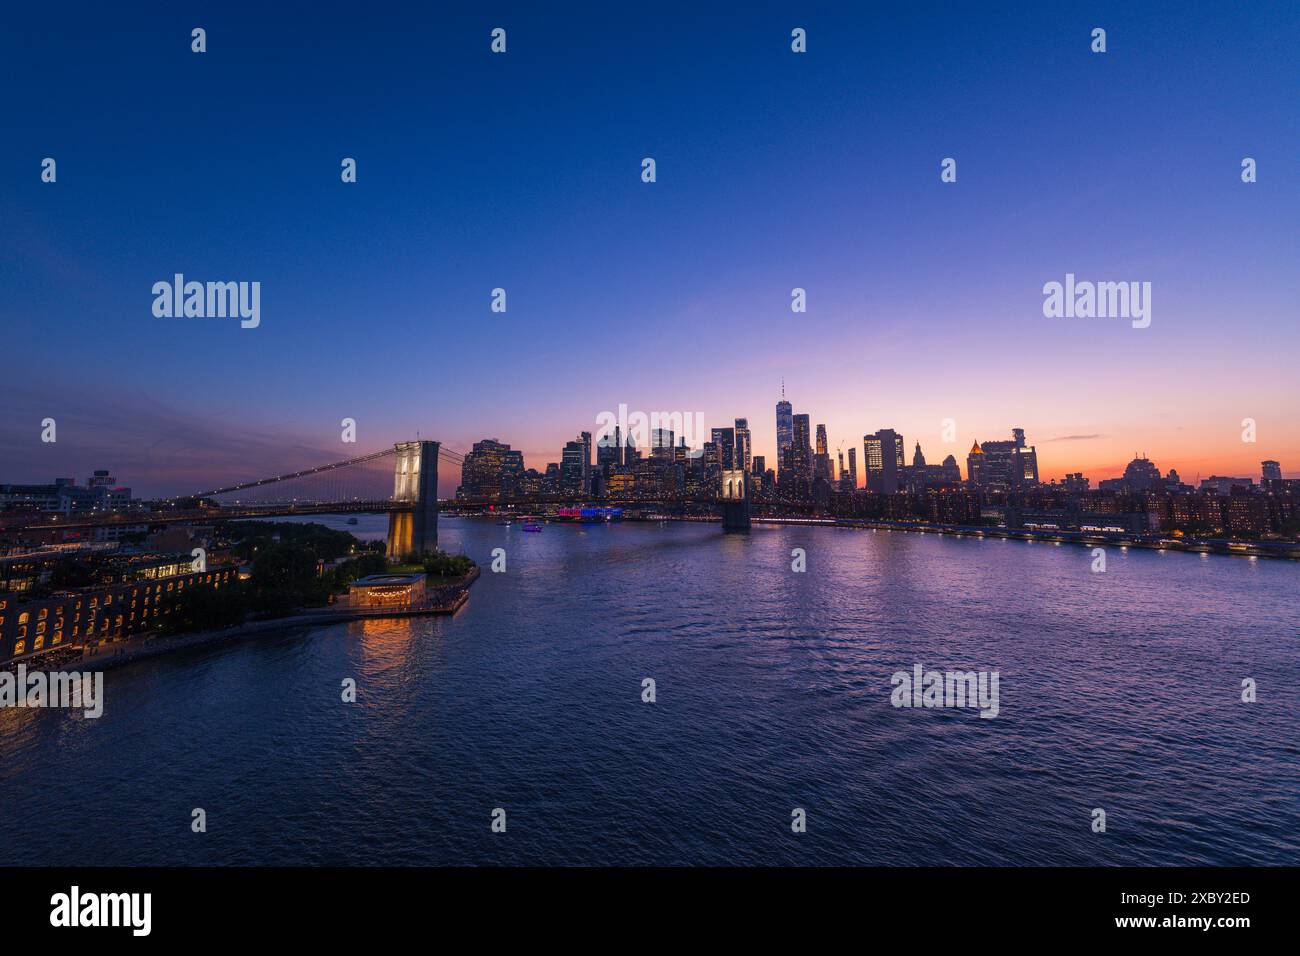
(1119, 691)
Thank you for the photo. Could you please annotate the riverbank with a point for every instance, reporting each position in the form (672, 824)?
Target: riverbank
(1287, 550)
(447, 599)
(1228, 547)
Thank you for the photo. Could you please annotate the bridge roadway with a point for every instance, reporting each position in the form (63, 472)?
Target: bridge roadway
(166, 516)
(204, 515)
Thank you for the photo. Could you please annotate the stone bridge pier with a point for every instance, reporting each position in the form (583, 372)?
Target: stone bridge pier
(734, 500)
(415, 481)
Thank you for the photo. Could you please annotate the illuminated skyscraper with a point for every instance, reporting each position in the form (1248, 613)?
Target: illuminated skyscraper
(609, 451)
(744, 450)
(784, 427)
(490, 470)
(725, 439)
(802, 457)
(1003, 465)
(574, 468)
(883, 454)
(585, 438)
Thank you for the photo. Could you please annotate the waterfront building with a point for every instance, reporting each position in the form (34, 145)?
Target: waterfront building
(1245, 513)
(101, 494)
(386, 590)
(108, 612)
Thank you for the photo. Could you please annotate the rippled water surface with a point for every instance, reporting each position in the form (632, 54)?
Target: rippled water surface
(1119, 690)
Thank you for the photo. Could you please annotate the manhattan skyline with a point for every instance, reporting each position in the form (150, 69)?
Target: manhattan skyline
(775, 172)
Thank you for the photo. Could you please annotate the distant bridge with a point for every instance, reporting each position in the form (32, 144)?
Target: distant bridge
(351, 487)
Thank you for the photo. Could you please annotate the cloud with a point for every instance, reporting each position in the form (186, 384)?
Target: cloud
(1044, 441)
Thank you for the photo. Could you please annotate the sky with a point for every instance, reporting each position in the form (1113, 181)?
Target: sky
(522, 170)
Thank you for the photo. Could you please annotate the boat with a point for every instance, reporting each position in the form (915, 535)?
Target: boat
(504, 524)
(532, 527)
(352, 521)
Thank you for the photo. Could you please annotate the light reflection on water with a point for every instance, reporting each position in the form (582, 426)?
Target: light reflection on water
(1118, 690)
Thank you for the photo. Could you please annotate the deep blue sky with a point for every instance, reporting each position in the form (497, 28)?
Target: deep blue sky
(775, 170)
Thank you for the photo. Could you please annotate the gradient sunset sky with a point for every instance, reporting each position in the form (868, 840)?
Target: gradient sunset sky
(775, 170)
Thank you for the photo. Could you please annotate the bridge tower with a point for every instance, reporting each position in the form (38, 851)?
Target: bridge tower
(734, 500)
(415, 480)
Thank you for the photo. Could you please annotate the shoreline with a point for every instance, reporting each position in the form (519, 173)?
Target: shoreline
(1222, 547)
(146, 647)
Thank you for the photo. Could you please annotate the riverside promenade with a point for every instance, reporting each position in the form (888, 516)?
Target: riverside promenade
(446, 599)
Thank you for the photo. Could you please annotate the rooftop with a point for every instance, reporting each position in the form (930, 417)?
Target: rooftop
(374, 580)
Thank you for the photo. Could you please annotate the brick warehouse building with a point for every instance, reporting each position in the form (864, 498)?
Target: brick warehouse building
(30, 628)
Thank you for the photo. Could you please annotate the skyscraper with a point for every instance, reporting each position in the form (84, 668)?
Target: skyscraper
(802, 456)
(725, 439)
(609, 451)
(744, 449)
(573, 468)
(1271, 470)
(853, 468)
(585, 438)
(821, 467)
(661, 443)
(883, 456)
(490, 470)
(1003, 465)
(975, 464)
(784, 427)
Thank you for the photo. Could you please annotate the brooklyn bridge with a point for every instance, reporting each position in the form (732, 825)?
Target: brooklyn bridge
(401, 481)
